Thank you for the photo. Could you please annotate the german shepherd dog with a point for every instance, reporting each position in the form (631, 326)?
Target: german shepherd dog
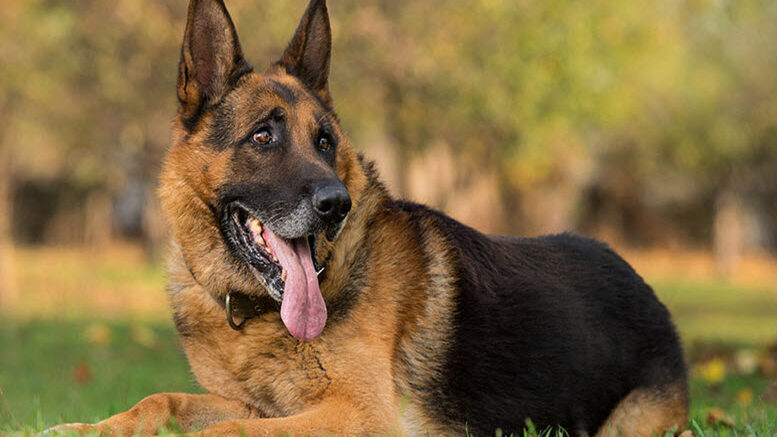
(308, 301)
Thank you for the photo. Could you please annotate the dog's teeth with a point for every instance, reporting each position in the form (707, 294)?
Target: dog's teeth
(283, 274)
(260, 240)
(275, 258)
(255, 226)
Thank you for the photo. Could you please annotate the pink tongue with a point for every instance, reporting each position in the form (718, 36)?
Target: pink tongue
(303, 310)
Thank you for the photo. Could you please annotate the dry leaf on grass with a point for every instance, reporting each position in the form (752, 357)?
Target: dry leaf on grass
(143, 335)
(82, 373)
(744, 397)
(712, 371)
(716, 416)
(98, 334)
(746, 361)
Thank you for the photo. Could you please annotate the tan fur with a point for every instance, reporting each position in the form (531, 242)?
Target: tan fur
(647, 413)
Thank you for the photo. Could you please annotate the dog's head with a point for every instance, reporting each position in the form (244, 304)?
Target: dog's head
(260, 168)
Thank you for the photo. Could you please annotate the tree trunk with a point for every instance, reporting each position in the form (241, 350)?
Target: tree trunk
(98, 219)
(8, 290)
(8, 286)
(550, 208)
(154, 230)
(728, 232)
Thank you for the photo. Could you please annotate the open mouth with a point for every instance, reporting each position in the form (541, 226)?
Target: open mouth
(287, 268)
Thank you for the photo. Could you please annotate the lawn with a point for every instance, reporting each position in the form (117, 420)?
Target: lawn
(92, 336)
(57, 371)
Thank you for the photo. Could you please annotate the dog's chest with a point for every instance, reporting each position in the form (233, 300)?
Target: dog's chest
(261, 364)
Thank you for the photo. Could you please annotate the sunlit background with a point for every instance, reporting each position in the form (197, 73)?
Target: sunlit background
(651, 125)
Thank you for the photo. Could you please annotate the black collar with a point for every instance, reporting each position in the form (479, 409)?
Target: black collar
(243, 307)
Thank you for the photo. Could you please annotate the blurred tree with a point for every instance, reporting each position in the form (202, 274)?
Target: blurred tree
(8, 290)
(630, 119)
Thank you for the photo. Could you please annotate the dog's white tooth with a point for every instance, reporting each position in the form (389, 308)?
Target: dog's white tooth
(259, 239)
(253, 226)
(283, 274)
(275, 258)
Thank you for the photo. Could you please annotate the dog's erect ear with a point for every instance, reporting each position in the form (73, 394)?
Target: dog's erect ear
(308, 53)
(211, 58)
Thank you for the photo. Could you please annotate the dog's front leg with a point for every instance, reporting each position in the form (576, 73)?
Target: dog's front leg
(332, 417)
(188, 412)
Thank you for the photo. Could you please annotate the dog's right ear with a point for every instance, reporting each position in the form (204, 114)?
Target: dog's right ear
(307, 55)
(211, 57)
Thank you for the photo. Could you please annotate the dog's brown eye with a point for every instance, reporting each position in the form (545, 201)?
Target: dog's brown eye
(262, 137)
(323, 144)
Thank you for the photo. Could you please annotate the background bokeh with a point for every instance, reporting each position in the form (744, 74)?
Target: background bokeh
(651, 125)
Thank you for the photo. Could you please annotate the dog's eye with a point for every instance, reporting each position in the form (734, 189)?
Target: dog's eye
(324, 144)
(261, 137)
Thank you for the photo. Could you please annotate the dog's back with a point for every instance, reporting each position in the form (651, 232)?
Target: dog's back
(557, 329)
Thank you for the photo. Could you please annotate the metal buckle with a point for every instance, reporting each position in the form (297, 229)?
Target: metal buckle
(228, 307)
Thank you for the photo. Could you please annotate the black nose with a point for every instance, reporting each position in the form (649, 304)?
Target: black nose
(331, 201)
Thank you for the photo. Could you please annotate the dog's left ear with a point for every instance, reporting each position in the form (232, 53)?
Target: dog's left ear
(307, 56)
(211, 57)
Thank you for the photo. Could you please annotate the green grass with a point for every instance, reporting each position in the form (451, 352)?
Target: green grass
(64, 371)
(40, 362)
(716, 311)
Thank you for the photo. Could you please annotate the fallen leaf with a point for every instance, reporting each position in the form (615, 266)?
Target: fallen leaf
(98, 334)
(143, 335)
(768, 366)
(686, 433)
(716, 416)
(82, 373)
(713, 371)
(746, 361)
(744, 397)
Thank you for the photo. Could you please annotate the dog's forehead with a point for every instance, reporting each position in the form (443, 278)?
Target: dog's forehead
(256, 97)
(259, 93)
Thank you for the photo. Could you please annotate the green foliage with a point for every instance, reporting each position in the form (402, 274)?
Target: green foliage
(665, 102)
(558, 89)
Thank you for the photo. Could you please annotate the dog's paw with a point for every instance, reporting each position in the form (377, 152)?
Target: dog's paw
(69, 429)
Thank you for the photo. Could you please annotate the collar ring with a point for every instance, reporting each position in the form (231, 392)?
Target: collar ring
(230, 319)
